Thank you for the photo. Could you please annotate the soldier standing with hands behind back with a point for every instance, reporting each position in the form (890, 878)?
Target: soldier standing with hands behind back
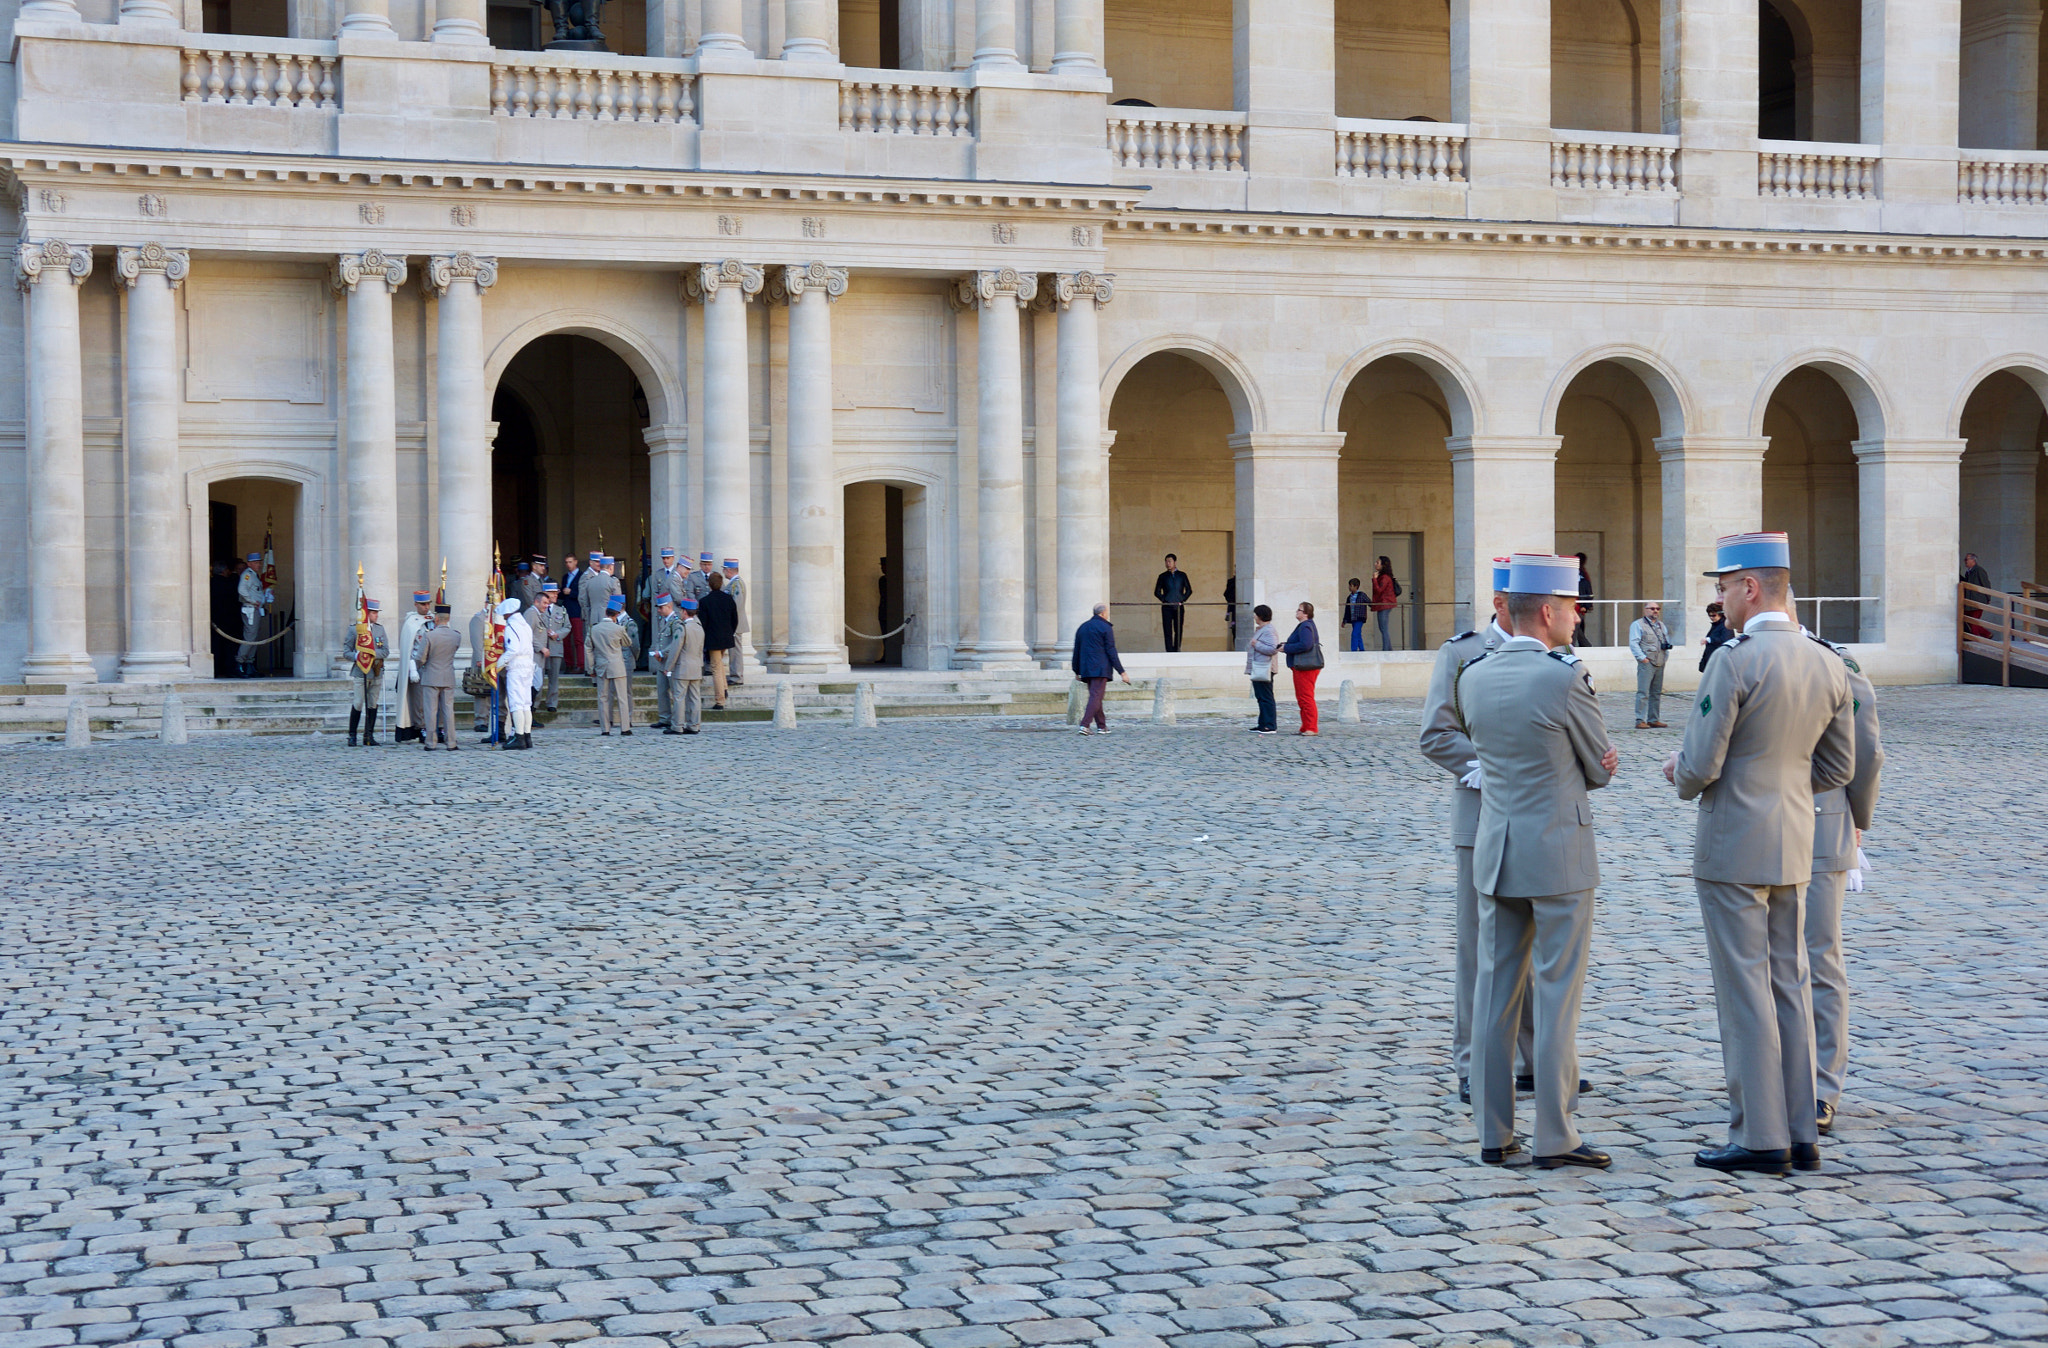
(1530, 712)
(1839, 818)
(1772, 725)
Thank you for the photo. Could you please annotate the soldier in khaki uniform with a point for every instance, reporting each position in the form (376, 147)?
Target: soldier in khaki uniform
(365, 690)
(686, 671)
(667, 634)
(1529, 710)
(1772, 725)
(1445, 744)
(1839, 818)
(550, 636)
(434, 651)
(611, 664)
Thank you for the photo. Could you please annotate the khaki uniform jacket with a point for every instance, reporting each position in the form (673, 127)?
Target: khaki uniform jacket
(591, 592)
(668, 583)
(1839, 812)
(550, 631)
(736, 586)
(434, 652)
(1773, 724)
(348, 647)
(696, 585)
(686, 661)
(663, 646)
(1532, 716)
(610, 651)
(1444, 741)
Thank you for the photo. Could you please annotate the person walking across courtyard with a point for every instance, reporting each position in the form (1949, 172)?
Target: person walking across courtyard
(1386, 595)
(1532, 716)
(1649, 641)
(1095, 659)
(1304, 651)
(1773, 724)
(1173, 589)
(1261, 654)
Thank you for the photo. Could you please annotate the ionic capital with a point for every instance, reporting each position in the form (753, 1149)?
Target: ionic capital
(702, 282)
(1068, 286)
(984, 287)
(170, 263)
(351, 268)
(788, 284)
(444, 270)
(32, 259)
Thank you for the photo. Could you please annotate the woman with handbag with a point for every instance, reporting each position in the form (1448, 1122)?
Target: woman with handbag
(1386, 594)
(1304, 650)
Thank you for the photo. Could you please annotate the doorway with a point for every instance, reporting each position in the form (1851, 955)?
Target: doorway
(876, 574)
(1597, 621)
(245, 515)
(1404, 552)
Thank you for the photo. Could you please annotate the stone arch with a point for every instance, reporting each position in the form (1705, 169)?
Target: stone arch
(895, 511)
(315, 596)
(658, 377)
(1674, 402)
(1247, 408)
(1452, 379)
(2031, 370)
(1857, 381)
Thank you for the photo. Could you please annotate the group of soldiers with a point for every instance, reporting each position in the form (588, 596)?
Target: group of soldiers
(584, 621)
(1781, 750)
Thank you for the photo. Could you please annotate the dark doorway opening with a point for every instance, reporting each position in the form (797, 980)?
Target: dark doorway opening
(1777, 77)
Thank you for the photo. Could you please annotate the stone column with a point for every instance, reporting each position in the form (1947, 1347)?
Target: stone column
(1908, 493)
(463, 412)
(668, 486)
(2001, 65)
(1911, 58)
(1710, 104)
(816, 583)
(999, 443)
(364, 19)
(1711, 487)
(1286, 520)
(51, 272)
(723, 288)
(1500, 90)
(807, 30)
(156, 567)
(372, 393)
(995, 35)
(63, 11)
(1284, 68)
(1077, 44)
(1083, 466)
(724, 30)
(457, 23)
(1503, 500)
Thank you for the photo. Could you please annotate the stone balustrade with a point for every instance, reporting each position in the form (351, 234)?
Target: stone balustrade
(2003, 178)
(276, 74)
(617, 90)
(1816, 170)
(1170, 138)
(930, 106)
(1611, 161)
(1417, 152)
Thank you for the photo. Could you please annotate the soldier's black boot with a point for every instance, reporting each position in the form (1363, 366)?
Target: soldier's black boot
(370, 729)
(355, 718)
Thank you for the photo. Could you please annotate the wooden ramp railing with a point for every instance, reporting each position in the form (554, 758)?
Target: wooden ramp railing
(2009, 630)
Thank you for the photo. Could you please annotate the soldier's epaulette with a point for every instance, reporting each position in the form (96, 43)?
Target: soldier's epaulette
(1460, 637)
(1739, 638)
(1566, 657)
(1842, 651)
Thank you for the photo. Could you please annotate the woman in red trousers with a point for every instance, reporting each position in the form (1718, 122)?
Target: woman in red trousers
(1304, 650)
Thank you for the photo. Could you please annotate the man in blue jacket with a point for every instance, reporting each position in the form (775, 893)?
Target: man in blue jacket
(1095, 660)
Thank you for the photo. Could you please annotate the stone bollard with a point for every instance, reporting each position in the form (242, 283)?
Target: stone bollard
(863, 706)
(785, 706)
(1347, 702)
(172, 730)
(1077, 702)
(1162, 702)
(77, 726)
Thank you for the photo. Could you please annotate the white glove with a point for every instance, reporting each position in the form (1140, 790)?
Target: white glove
(412, 672)
(1472, 779)
(499, 667)
(1855, 881)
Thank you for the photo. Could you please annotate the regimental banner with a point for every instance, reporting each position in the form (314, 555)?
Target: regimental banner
(366, 643)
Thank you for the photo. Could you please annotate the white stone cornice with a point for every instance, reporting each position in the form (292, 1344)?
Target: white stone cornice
(1504, 448)
(1068, 286)
(171, 263)
(32, 259)
(444, 269)
(351, 268)
(701, 282)
(1710, 448)
(1269, 446)
(983, 287)
(1893, 450)
(786, 284)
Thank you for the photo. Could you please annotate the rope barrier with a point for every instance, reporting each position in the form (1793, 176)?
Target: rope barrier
(236, 638)
(885, 636)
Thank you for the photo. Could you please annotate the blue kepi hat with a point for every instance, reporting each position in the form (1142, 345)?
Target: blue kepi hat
(1500, 574)
(615, 604)
(1750, 552)
(1536, 573)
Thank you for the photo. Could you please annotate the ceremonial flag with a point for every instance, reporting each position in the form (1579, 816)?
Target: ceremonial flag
(494, 626)
(366, 644)
(441, 595)
(270, 566)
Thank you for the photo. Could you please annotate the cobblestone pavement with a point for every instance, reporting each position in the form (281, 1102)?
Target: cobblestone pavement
(956, 1035)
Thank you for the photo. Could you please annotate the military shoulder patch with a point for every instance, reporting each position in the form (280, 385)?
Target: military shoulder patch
(1706, 704)
(1460, 637)
(1565, 657)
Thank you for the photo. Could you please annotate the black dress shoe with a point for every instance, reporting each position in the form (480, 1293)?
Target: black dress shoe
(1500, 1155)
(1824, 1117)
(1529, 1084)
(1731, 1158)
(671, 732)
(1464, 1090)
(1585, 1156)
(625, 732)
(693, 732)
(1806, 1156)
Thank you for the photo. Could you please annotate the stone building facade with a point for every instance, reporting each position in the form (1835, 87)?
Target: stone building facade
(1018, 295)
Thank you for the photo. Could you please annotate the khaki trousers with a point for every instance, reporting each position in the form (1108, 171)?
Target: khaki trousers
(437, 714)
(1530, 948)
(1468, 981)
(551, 681)
(363, 689)
(690, 692)
(1757, 946)
(718, 660)
(615, 703)
(1830, 982)
(664, 698)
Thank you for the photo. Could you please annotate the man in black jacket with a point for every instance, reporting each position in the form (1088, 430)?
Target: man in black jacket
(1173, 589)
(721, 621)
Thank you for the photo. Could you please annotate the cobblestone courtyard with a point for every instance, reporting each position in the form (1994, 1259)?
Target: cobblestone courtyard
(958, 1035)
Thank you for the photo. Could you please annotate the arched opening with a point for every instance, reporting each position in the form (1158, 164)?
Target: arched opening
(1393, 60)
(1610, 497)
(1170, 53)
(2003, 506)
(885, 569)
(569, 466)
(1394, 500)
(256, 514)
(1999, 88)
(1811, 494)
(1606, 65)
(1172, 489)
(1809, 70)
